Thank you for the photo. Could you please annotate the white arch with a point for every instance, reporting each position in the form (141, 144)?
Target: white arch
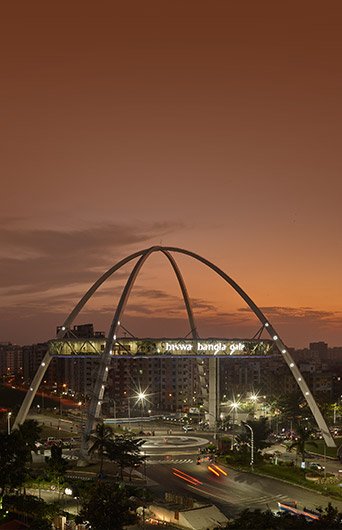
(105, 358)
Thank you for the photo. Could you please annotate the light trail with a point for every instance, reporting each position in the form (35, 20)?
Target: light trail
(184, 476)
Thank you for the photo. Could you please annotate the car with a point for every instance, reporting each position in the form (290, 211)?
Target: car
(187, 428)
(316, 466)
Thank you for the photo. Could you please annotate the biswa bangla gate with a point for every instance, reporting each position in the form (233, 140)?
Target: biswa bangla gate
(114, 347)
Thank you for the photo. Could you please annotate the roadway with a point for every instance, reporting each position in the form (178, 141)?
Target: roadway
(233, 493)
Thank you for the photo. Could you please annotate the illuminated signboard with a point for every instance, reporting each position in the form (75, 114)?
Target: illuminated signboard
(125, 347)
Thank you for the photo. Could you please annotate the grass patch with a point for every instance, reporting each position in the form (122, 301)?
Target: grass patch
(289, 473)
(47, 431)
(319, 447)
(297, 476)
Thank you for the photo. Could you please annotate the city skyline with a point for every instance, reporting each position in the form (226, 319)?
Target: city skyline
(212, 131)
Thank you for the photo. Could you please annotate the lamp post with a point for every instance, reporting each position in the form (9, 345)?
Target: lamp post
(129, 410)
(9, 414)
(129, 413)
(252, 444)
(234, 406)
(141, 398)
(254, 399)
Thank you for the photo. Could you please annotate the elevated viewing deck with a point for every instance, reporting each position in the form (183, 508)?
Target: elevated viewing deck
(126, 347)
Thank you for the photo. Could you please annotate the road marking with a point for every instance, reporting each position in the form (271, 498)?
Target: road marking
(171, 461)
(265, 499)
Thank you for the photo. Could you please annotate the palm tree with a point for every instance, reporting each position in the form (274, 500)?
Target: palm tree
(304, 435)
(101, 436)
(29, 433)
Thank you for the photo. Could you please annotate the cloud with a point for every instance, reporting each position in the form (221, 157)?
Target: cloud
(287, 314)
(35, 260)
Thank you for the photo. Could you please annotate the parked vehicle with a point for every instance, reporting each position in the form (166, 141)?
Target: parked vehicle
(316, 466)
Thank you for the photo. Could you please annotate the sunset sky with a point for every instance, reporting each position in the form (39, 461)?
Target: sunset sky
(211, 126)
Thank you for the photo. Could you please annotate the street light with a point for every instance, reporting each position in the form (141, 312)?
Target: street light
(141, 398)
(254, 398)
(252, 444)
(9, 414)
(234, 408)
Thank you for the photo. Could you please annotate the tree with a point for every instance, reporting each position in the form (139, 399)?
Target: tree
(56, 464)
(293, 407)
(330, 518)
(28, 433)
(107, 506)
(261, 433)
(303, 435)
(100, 436)
(13, 455)
(126, 452)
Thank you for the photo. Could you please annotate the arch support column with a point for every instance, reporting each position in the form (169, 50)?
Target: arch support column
(213, 393)
(102, 374)
(30, 394)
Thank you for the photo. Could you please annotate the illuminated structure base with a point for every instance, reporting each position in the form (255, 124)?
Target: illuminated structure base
(106, 356)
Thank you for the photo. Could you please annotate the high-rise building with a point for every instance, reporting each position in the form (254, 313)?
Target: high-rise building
(10, 359)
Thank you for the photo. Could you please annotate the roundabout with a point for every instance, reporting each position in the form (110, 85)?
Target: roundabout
(174, 442)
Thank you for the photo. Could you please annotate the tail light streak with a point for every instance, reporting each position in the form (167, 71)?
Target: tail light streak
(217, 470)
(188, 478)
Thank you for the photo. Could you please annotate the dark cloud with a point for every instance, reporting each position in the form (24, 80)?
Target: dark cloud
(44, 273)
(36, 260)
(154, 294)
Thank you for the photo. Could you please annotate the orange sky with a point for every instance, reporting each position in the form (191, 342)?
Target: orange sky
(209, 126)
